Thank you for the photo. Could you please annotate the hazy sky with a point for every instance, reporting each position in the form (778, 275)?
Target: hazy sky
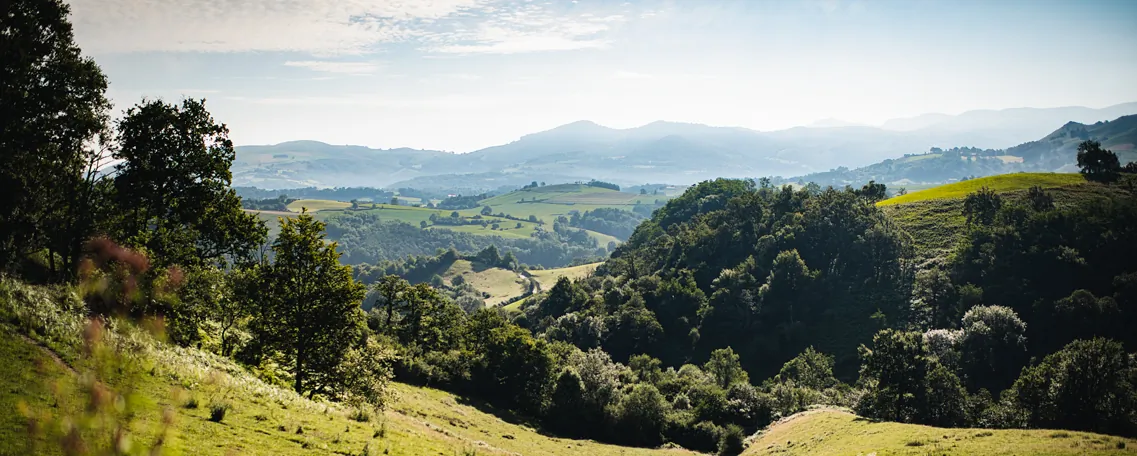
(464, 74)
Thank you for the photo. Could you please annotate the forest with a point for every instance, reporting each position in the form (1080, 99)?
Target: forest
(732, 305)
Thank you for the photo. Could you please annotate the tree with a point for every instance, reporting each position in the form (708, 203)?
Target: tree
(981, 206)
(810, 369)
(1096, 163)
(391, 291)
(394, 201)
(1039, 199)
(934, 296)
(642, 415)
(898, 366)
(53, 105)
(992, 347)
(173, 186)
(487, 210)
(1088, 386)
(873, 191)
(423, 223)
(309, 312)
(725, 368)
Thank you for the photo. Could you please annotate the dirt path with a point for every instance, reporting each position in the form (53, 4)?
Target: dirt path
(49, 352)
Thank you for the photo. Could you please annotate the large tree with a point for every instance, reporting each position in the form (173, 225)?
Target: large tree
(52, 109)
(173, 186)
(309, 306)
(1097, 163)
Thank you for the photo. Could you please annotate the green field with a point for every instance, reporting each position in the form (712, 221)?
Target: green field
(314, 205)
(834, 432)
(1002, 183)
(501, 284)
(548, 277)
(546, 211)
(551, 201)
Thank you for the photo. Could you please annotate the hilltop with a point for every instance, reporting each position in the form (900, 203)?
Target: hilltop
(1000, 183)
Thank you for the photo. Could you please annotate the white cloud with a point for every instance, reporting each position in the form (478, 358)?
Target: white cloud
(334, 27)
(326, 27)
(327, 66)
(526, 28)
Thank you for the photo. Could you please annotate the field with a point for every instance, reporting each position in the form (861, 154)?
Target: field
(551, 201)
(501, 284)
(1002, 183)
(548, 277)
(263, 419)
(314, 205)
(833, 432)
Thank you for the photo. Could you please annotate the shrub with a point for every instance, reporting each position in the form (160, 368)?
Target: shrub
(731, 442)
(218, 410)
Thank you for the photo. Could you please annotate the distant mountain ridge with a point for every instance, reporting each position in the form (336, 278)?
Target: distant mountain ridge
(1056, 152)
(660, 151)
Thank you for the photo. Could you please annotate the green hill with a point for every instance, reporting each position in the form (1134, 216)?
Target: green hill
(179, 385)
(834, 432)
(934, 217)
(1000, 183)
(550, 201)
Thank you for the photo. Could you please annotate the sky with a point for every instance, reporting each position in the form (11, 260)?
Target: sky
(460, 75)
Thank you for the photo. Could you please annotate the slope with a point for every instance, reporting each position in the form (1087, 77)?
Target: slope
(834, 432)
(1000, 183)
(180, 385)
(500, 284)
(934, 217)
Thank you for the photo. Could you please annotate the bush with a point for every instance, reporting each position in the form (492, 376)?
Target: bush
(218, 410)
(732, 441)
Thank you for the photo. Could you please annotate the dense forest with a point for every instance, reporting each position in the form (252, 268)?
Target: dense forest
(733, 305)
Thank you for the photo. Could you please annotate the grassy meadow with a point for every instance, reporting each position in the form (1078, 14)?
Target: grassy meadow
(501, 284)
(1001, 183)
(834, 432)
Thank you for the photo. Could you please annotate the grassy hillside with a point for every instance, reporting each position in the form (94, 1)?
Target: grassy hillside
(548, 277)
(263, 419)
(501, 284)
(832, 432)
(1001, 183)
(936, 223)
(314, 205)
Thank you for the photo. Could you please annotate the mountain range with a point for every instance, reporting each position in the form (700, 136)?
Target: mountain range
(657, 152)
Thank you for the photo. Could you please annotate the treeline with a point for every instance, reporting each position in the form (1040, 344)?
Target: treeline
(461, 202)
(345, 194)
(610, 221)
(280, 203)
(602, 184)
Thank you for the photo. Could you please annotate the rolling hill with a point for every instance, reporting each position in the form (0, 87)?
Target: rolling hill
(1000, 183)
